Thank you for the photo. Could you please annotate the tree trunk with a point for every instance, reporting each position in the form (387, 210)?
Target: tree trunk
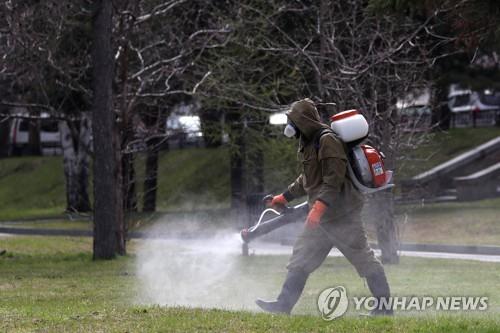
(128, 167)
(4, 137)
(109, 231)
(34, 144)
(237, 172)
(441, 113)
(254, 156)
(153, 119)
(83, 158)
(151, 180)
(76, 157)
(255, 170)
(129, 182)
(383, 202)
(212, 126)
(387, 236)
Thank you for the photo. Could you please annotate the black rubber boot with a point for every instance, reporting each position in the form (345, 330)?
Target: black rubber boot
(290, 294)
(377, 283)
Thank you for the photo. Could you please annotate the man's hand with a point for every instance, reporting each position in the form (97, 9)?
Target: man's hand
(315, 214)
(277, 202)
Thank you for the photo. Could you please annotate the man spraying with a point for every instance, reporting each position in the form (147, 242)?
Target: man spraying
(334, 217)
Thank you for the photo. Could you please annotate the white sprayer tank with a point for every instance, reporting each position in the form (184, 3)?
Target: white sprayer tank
(349, 125)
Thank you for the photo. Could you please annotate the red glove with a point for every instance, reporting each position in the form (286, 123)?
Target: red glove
(315, 214)
(278, 202)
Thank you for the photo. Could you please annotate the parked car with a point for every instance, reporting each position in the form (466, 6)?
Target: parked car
(19, 135)
(50, 137)
(468, 100)
(476, 108)
(184, 131)
(414, 111)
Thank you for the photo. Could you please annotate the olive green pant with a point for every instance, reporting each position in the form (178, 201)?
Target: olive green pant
(347, 235)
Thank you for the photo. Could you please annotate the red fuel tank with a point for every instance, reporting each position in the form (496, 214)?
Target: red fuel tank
(376, 165)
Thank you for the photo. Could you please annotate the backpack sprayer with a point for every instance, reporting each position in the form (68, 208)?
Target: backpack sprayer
(365, 168)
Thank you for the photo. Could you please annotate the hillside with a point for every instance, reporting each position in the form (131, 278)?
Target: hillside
(440, 147)
(196, 178)
(34, 186)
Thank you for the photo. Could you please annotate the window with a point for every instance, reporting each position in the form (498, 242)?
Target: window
(490, 99)
(49, 126)
(24, 126)
(460, 100)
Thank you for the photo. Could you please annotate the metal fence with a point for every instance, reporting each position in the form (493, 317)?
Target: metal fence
(484, 118)
(423, 122)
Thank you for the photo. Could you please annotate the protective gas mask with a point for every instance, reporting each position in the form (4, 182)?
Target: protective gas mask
(290, 130)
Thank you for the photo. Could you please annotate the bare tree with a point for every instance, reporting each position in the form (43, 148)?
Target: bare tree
(160, 44)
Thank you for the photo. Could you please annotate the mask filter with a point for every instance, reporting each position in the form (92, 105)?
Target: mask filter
(290, 131)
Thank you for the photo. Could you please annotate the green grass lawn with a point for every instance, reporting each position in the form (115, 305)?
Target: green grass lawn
(194, 178)
(51, 284)
(31, 187)
(471, 223)
(49, 224)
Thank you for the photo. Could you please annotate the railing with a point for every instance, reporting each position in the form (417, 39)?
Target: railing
(484, 118)
(422, 122)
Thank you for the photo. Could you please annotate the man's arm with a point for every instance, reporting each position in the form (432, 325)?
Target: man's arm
(295, 189)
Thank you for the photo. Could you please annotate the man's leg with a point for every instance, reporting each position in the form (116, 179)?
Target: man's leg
(377, 283)
(289, 295)
(350, 239)
(309, 251)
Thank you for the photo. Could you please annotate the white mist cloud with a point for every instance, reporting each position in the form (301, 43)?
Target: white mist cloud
(194, 273)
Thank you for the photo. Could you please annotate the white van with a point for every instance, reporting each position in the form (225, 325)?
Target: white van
(467, 100)
(479, 108)
(50, 137)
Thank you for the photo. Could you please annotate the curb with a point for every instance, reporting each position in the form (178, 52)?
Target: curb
(459, 249)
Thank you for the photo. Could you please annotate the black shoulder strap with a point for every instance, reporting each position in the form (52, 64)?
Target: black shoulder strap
(325, 131)
(320, 134)
(347, 149)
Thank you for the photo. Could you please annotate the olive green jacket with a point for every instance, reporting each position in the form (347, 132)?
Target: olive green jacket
(324, 167)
